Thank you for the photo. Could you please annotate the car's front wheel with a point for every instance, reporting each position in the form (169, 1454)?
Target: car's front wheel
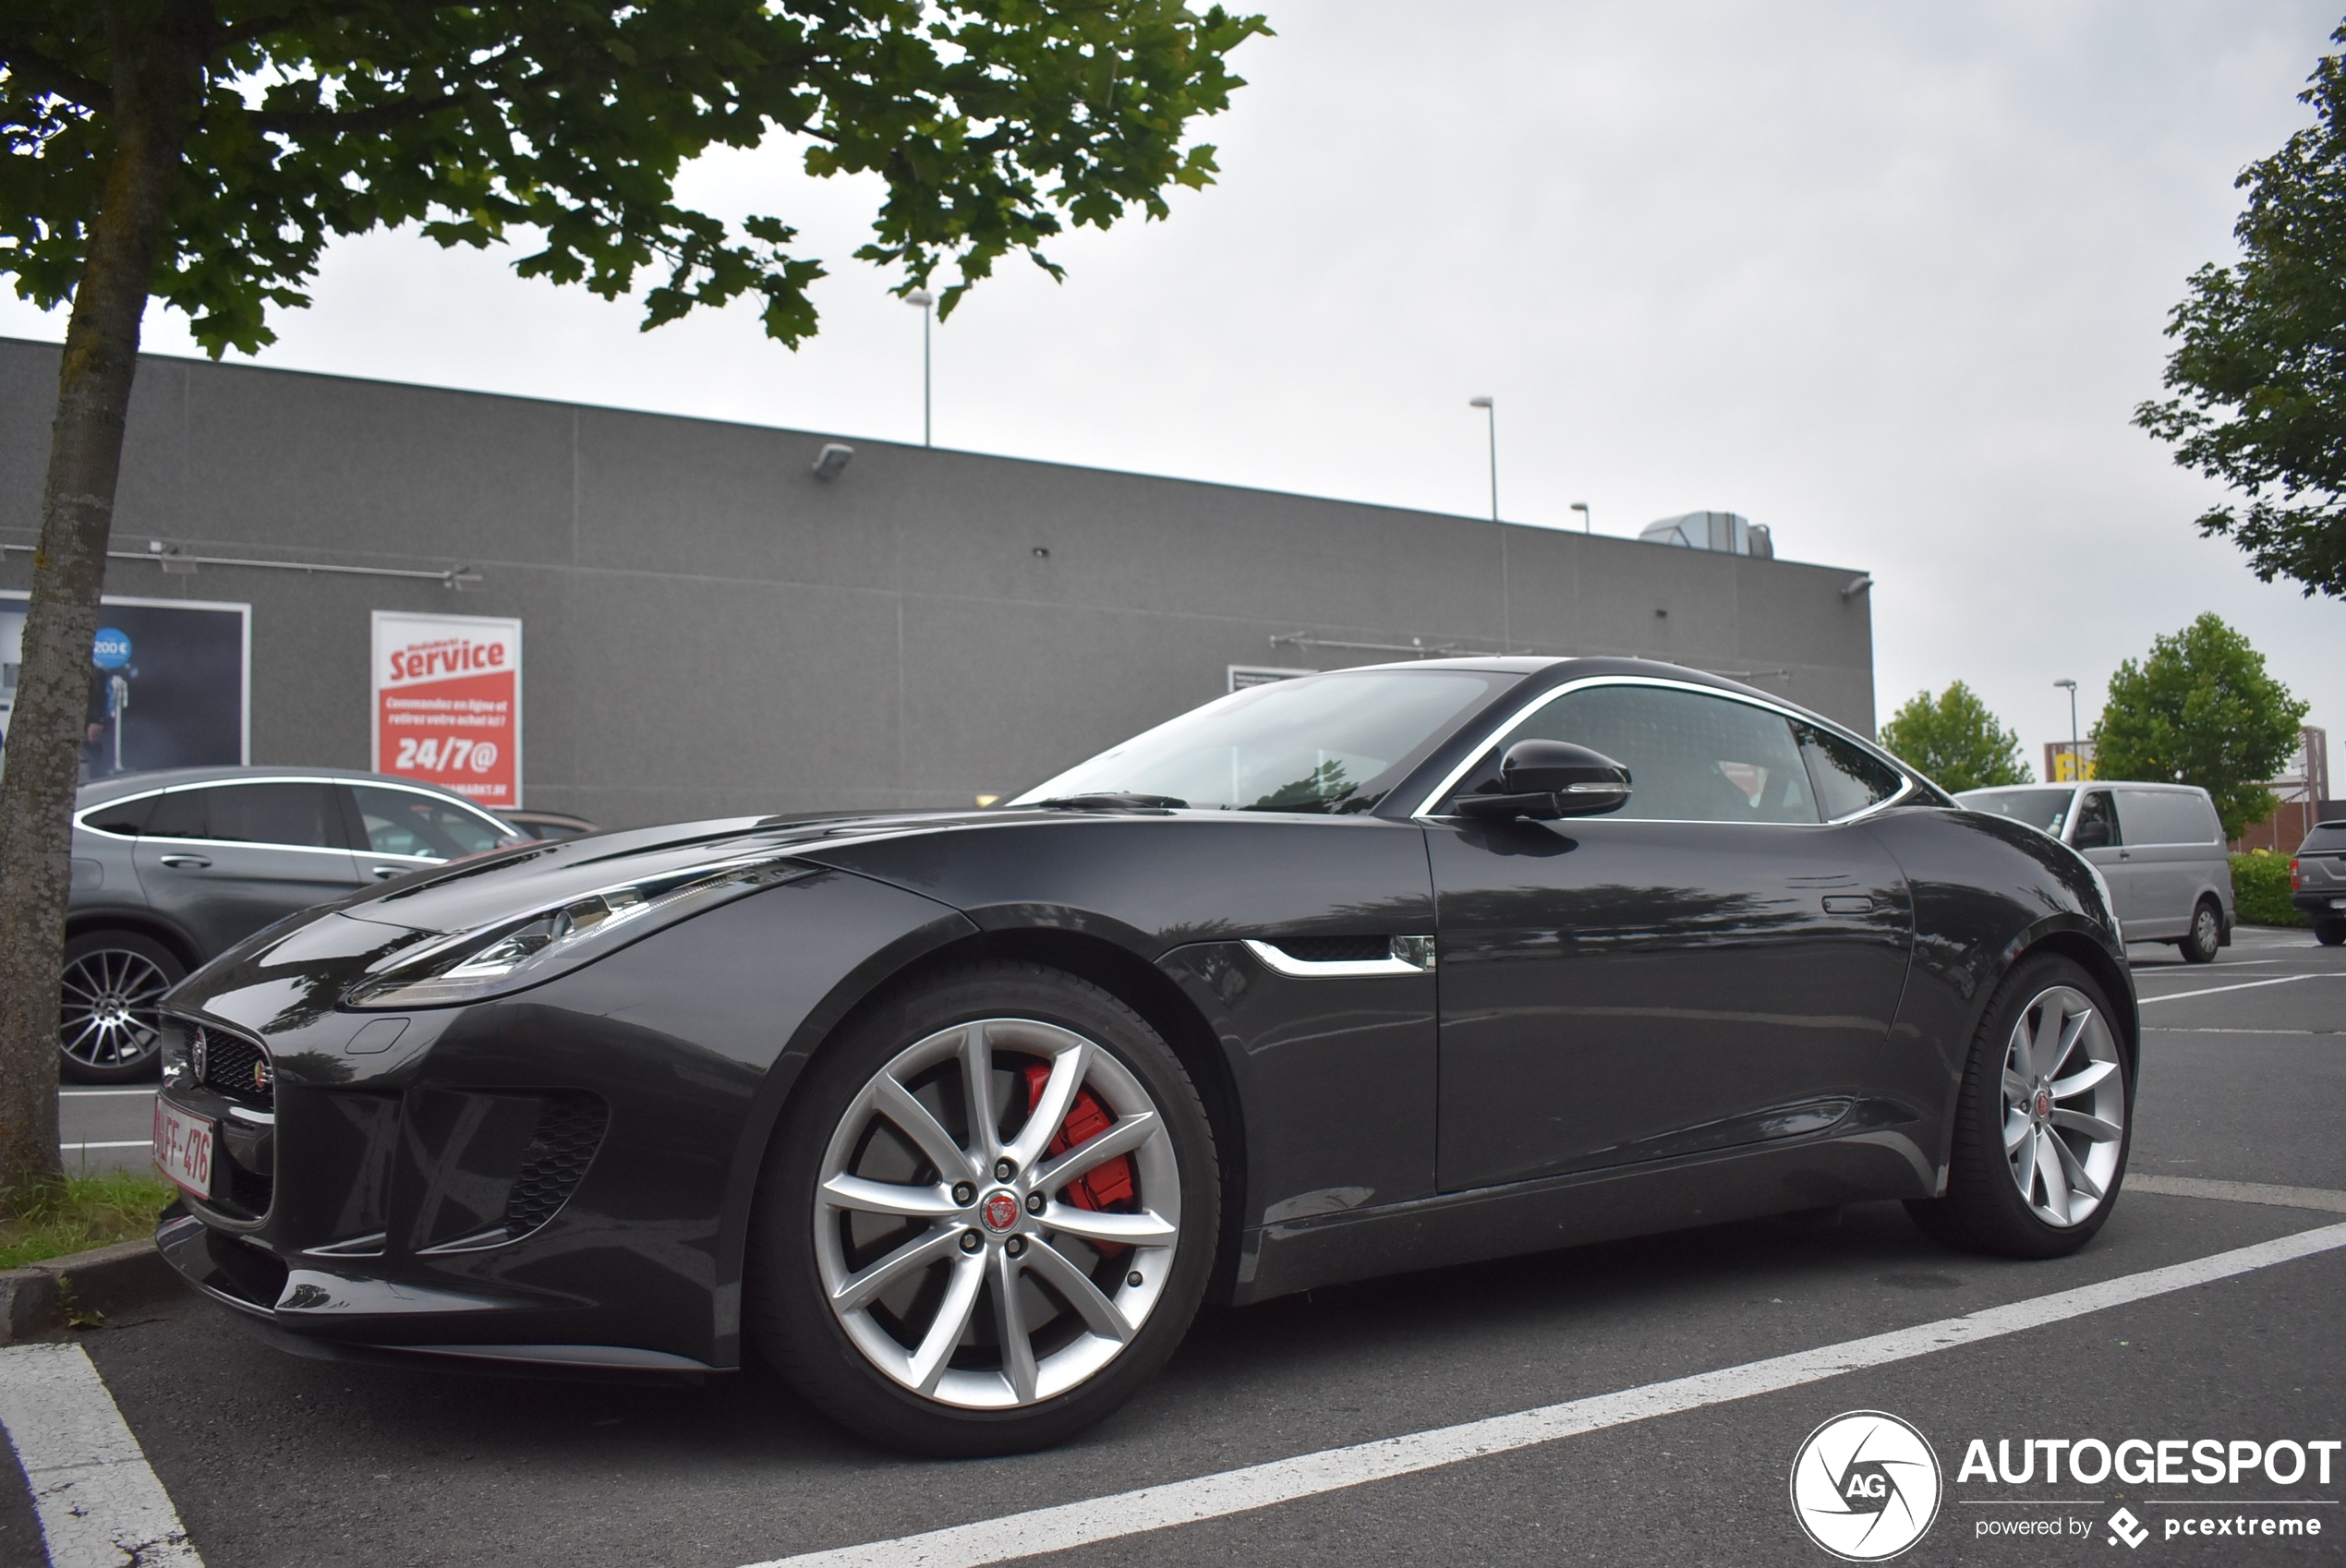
(2041, 1122)
(988, 1214)
(110, 1006)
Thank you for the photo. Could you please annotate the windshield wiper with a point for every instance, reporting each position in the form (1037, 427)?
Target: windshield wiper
(1111, 800)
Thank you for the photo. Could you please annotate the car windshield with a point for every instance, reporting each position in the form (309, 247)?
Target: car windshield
(2045, 810)
(1329, 744)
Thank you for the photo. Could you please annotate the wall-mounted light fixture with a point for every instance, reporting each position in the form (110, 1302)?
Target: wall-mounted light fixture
(1855, 586)
(831, 459)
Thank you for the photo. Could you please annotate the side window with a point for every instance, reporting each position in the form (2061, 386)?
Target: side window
(2166, 816)
(301, 815)
(2096, 824)
(1691, 757)
(1847, 778)
(179, 814)
(127, 818)
(401, 822)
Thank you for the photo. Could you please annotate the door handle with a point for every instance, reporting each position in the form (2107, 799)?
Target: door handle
(385, 872)
(1848, 904)
(185, 863)
(2124, 855)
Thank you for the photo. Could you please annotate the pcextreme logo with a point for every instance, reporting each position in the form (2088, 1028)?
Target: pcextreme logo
(1865, 1486)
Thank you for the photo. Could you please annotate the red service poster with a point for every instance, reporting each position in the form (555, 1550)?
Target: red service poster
(447, 694)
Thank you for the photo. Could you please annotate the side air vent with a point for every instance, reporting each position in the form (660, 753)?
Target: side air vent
(569, 1129)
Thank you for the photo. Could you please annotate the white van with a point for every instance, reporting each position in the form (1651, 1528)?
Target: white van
(2159, 846)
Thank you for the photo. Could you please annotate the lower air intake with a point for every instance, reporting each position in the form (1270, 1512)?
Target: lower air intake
(569, 1129)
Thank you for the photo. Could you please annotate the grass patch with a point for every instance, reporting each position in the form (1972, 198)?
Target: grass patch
(88, 1211)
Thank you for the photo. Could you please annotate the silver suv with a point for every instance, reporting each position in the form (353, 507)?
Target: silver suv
(2160, 847)
(170, 868)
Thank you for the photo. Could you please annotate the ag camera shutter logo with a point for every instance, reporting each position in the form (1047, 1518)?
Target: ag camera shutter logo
(1865, 1486)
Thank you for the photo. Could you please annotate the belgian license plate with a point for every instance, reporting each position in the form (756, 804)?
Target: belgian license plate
(183, 1147)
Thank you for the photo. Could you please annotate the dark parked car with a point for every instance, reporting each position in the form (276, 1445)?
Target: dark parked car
(549, 824)
(2318, 881)
(172, 867)
(956, 1118)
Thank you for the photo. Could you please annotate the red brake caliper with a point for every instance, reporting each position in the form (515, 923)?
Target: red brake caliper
(1105, 1185)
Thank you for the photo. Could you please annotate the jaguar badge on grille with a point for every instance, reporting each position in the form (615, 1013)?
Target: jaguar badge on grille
(196, 1052)
(260, 1079)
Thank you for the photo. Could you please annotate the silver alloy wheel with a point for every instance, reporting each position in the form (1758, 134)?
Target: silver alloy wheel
(112, 1007)
(2064, 1099)
(2206, 930)
(957, 1262)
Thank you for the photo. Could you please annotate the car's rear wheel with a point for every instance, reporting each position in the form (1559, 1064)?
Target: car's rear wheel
(2042, 1121)
(110, 1006)
(2207, 933)
(988, 1214)
(2330, 932)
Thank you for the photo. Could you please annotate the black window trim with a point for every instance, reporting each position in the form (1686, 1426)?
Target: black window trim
(1456, 776)
(215, 784)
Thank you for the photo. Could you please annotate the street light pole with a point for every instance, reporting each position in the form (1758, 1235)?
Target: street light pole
(2075, 760)
(1490, 407)
(1582, 508)
(924, 299)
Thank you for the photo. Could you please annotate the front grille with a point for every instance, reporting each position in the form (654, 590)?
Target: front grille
(569, 1129)
(233, 1067)
(1336, 950)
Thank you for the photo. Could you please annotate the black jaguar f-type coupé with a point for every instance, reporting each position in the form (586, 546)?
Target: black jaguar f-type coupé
(956, 1118)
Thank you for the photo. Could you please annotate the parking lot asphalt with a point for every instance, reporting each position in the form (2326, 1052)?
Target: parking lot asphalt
(272, 1459)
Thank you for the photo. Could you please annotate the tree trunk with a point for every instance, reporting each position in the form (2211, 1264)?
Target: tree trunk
(157, 54)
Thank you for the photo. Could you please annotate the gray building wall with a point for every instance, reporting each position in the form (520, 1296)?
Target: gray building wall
(710, 629)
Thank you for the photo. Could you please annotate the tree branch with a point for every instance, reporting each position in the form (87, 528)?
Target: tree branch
(60, 81)
(382, 116)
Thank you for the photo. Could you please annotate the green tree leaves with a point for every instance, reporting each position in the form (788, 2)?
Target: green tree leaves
(1955, 740)
(2201, 710)
(2258, 361)
(564, 124)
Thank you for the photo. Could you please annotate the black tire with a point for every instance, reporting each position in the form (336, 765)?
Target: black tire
(2207, 933)
(787, 1312)
(2330, 932)
(1983, 1210)
(109, 1023)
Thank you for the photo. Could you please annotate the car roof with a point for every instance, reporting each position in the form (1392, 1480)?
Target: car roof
(99, 792)
(1562, 669)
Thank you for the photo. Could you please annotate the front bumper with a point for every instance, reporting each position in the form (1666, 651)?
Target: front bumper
(489, 1205)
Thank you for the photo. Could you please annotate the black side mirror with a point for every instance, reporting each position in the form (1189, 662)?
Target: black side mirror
(2091, 836)
(1547, 780)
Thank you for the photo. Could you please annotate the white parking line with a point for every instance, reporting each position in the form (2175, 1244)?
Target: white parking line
(1097, 1519)
(133, 1143)
(2244, 985)
(2239, 1191)
(99, 1501)
(81, 1094)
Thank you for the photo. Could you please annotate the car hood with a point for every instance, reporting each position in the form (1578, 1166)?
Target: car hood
(467, 894)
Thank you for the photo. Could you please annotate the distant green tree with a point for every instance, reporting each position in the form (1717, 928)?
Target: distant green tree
(1955, 740)
(2201, 710)
(2257, 360)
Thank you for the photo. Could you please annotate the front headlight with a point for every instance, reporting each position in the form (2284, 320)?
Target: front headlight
(526, 949)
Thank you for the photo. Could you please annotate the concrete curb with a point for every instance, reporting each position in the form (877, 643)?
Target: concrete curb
(106, 1280)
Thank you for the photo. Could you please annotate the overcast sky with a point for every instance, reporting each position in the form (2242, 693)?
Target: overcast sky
(1887, 278)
